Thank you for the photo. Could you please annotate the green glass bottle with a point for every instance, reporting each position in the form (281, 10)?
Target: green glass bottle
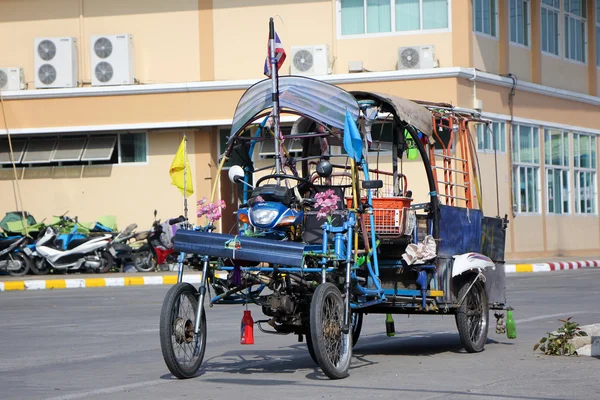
(389, 325)
(511, 327)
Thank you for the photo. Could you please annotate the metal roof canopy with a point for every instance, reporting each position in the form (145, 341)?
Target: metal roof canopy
(321, 101)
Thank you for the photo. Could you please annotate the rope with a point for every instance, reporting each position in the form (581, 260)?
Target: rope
(17, 190)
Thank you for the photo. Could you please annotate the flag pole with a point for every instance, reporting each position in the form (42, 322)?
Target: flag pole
(185, 207)
(274, 94)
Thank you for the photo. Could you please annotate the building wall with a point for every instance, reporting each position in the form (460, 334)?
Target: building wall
(381, 53)
(520, 62)
(130, 192)
(242, 31)
(166, 37)
(486, 53)
(563, 74)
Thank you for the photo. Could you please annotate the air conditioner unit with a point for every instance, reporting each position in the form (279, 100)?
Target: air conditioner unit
(55, 62)
(310, 60)
(12, 79)
(416, 57)
(112, 60)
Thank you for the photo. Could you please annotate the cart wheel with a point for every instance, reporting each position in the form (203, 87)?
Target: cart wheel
(332, 347)
(472, 317)
(182, 350)
(356, 325)
(311, 348)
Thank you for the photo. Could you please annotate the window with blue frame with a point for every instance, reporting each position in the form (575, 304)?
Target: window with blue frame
(575, 29)
(556, 150)
(484, 16)
(598, 33)
(526, 169)
(550, 26)
(584, 162)
(491, 138)
(360, 17)
(519, 21)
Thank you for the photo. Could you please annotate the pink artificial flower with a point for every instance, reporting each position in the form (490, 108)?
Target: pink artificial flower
(211, 211)
(326, 203)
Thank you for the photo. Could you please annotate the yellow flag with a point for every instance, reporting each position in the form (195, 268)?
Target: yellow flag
(176, 171)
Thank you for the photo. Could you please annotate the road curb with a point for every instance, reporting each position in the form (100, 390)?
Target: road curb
(550, 266)
(71, 283)
(40, 284)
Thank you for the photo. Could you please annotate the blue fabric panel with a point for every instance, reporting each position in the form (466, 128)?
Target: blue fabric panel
(250, 249)
(460, 231)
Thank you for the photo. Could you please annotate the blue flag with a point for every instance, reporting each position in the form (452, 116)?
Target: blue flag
(352, 140)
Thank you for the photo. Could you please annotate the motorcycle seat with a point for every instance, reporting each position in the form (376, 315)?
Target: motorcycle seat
(6, 243)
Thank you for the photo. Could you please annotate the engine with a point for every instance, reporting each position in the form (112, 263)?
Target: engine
(279, 305)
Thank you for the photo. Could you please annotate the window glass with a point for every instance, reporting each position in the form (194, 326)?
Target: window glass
(133, 147)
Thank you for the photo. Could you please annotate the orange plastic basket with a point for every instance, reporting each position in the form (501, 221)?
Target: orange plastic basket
(390, 214)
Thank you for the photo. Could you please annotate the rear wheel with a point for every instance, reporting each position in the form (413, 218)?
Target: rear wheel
(106, 262)
(311, 348)
(332, 347)
(22, 262)
(183, 351)
(472, 316)
(40, 266)
(356, 326)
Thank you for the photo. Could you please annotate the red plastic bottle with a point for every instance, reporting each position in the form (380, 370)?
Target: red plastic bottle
(247, 332)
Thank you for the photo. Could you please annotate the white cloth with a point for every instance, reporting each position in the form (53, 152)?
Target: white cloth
(419, 253)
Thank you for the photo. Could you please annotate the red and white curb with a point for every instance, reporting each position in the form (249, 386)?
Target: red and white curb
(551, 266)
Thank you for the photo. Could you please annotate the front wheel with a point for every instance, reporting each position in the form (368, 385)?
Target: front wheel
(332, 347)
(472, 316)
(182, 349)
(22, 262)
(40, 266)
(144, 261)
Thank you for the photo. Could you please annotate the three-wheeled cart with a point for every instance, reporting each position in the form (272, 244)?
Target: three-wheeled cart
(378, 209)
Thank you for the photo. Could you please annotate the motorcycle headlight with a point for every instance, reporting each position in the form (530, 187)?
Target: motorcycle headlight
(263, 217)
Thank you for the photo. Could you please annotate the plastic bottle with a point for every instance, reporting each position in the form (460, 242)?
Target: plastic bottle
(511, 327)
(247, 331)
(389, 325)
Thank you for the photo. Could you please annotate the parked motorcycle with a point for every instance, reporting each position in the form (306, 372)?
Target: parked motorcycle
(92, 252)
(137, 252)
(160, 240)
(14, 256)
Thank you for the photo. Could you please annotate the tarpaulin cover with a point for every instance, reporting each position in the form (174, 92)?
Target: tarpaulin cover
(460, 230)
(239, 247)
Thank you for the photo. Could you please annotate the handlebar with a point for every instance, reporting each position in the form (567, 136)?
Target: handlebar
(177, 220)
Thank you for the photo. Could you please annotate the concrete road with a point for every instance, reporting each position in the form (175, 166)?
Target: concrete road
(102, 343)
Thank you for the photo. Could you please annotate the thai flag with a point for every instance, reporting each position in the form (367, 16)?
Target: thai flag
(279, 55)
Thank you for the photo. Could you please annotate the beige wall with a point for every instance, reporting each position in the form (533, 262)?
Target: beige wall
(529, 105)
(166, 38)
(242, 31)
(563, 74)
(485, 53)
(520, 62)
(566, 233)
(130, 192)
(381, 54)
